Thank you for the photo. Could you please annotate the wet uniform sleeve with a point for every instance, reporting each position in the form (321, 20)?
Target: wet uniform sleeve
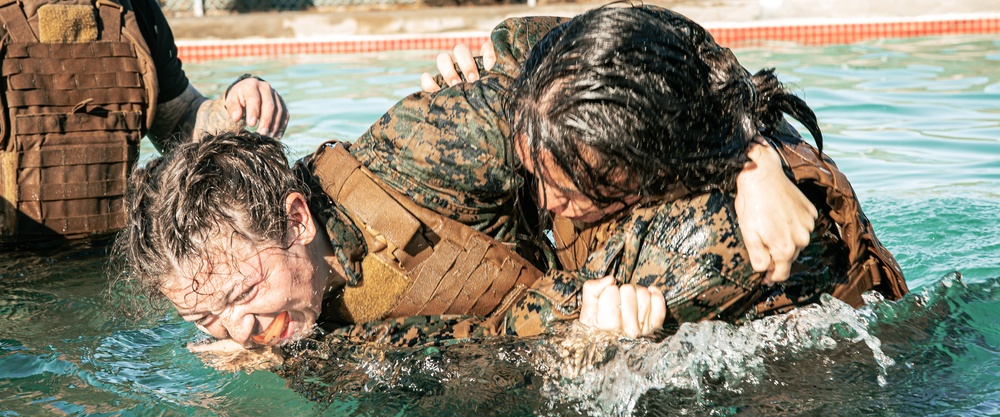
(450, 150)
(160, 39)
(690, 248)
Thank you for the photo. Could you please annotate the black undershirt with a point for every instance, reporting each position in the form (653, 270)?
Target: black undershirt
(160, 39)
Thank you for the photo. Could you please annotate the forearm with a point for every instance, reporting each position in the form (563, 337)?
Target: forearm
(552, 299)
(189, 115)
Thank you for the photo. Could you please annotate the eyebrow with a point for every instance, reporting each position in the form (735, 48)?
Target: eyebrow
(192, 311)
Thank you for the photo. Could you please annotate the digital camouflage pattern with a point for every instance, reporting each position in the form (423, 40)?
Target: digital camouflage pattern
(692, 250)
(449, 151)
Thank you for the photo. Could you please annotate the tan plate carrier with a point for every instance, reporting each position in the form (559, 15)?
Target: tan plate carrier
(419, 262)
(79, 88)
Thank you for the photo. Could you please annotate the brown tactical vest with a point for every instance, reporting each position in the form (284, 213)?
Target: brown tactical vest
(419, 262)
(79, 93)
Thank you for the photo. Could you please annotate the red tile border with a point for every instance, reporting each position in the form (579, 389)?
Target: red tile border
(842, 33)
(812, 34)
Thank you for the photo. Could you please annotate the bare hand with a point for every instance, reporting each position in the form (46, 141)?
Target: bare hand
(466, 63)
(631, 309)
(776, 219)
(262, 105)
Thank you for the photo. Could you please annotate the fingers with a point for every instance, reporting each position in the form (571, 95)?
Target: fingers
(428, 84)
(778, 274)
(447, 69)
(642, 301)
(466, 63)
(609, 316)
(489, 55)
(760, 257)
(629, 310)
(590, 299)
(259, 105)
(657, 309)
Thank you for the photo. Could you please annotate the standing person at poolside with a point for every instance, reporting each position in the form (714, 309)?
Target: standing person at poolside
(84, 83)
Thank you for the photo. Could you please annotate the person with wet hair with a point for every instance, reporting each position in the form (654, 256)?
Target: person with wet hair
(636, 124)
(258, 253)
(424, 230)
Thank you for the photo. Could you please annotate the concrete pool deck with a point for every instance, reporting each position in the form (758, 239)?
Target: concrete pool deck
(731, 21)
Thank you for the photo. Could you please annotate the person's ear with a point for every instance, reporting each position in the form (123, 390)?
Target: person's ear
(301, 228)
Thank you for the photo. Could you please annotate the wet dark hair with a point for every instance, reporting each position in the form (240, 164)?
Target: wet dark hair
(232, 185)
(634, 100)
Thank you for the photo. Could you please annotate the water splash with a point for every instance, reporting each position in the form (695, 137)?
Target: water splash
(714, 356)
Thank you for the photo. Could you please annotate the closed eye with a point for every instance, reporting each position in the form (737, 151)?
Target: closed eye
(246, 295)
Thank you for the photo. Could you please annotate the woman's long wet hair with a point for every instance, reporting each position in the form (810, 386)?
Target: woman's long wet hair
(183, 206)
(637, 100)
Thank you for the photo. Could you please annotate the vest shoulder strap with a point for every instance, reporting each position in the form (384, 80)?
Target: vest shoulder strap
(451, 268)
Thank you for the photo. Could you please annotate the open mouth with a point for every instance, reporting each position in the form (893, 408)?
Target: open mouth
(273, 331)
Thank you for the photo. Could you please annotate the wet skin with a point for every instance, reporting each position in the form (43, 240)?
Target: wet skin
(248, 286)
(558, 192)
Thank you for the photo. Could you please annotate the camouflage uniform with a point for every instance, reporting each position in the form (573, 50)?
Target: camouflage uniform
(693, 251)
(450, 151)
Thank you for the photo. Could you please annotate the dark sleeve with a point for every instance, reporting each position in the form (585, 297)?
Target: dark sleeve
(156, 32)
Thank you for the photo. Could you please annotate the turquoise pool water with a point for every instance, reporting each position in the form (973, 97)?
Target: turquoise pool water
(914, 123)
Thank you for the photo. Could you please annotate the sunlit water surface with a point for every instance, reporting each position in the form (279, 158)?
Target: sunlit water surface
(914, 123)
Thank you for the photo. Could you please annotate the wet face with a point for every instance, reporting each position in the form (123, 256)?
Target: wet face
(247, 292)
(259, 294)
(560, 194)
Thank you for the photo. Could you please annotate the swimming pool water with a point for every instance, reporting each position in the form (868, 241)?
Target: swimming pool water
(914, 123)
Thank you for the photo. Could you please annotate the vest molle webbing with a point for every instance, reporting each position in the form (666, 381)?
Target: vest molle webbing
(419, 262)
(78, 88)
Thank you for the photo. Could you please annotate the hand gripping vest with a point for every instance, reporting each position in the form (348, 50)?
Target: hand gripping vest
(871, 265)
(79, 92)
(419, 262)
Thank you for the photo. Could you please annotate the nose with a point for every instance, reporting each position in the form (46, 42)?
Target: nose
(555, 201)
(238, 326)
(562, 205)
(571, 210)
